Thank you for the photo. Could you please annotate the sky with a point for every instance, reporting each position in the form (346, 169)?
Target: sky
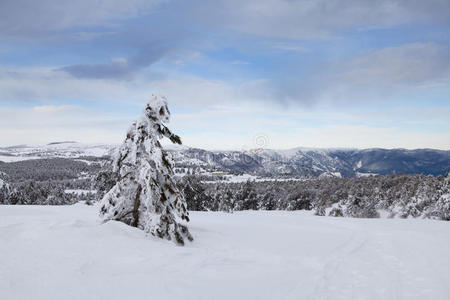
(238, 74)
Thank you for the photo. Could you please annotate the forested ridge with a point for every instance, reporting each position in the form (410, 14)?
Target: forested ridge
(45, 181)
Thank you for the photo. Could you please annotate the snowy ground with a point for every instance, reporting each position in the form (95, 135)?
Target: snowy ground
(64, 150)
(64, 253)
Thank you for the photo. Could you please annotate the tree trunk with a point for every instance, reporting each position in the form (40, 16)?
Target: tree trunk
(137, 203)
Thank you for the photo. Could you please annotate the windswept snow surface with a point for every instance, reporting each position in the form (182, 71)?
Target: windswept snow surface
(64, 253)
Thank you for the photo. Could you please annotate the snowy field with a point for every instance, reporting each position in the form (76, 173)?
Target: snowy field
(64, 253)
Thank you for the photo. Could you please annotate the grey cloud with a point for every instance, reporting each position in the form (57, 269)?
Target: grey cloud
(377, 76)
(274, 18)
(412, 64)
(122, 69)
(30, 18)
(319, 18)
(47, 86)
(112, 70)
(399, 66)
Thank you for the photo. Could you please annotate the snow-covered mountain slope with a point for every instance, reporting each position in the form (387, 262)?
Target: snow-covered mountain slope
(322, 162)
(52, 150)
(298, 161)
(54, 252)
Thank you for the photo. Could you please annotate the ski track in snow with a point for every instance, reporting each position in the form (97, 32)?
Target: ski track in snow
(325, 288)
(50, 252)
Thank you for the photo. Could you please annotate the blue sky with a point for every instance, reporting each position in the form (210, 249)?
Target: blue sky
(238, 74)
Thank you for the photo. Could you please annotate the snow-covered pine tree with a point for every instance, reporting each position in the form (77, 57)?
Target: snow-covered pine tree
(226, 202)
(57, 196)
(145, 195)
(104, 181)
(4, 192)
(194, 194)
(442, 206)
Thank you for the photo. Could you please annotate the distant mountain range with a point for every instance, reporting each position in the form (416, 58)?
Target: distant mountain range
(298, 161)
(322, 162)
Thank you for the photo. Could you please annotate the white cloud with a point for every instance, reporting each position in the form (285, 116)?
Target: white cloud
(30, 18)
(410, 64)
(50, 86)
(322, 137)
(386, 75)
(274, 18)
(231, 127)
(49, 123)
(54, 108)
(45, 85)
(207, 113)
(236, 126)
(358, 136)
(319, 18)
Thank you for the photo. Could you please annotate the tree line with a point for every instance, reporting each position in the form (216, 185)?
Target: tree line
(364, 197)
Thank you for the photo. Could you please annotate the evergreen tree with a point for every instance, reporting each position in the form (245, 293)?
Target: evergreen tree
(336, 212)
(268, 202)
(195, 196)
(145, 195)
(104, 181)
(57, 196)
(226, 202)
(442, 209)
(216, 197)
(5, 192)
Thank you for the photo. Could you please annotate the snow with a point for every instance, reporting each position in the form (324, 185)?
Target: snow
(8, 159)
(359, 164)
(88, 162)
(359, 174)
(63, 252)
(167, 145)
(79, 191)
(330, 174)
(64, 150)
(238, 178)
(288, 154)
(229, 178)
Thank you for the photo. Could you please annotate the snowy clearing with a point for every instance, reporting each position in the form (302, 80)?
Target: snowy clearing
(79, 191)
(62, 252)
(249, 177)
